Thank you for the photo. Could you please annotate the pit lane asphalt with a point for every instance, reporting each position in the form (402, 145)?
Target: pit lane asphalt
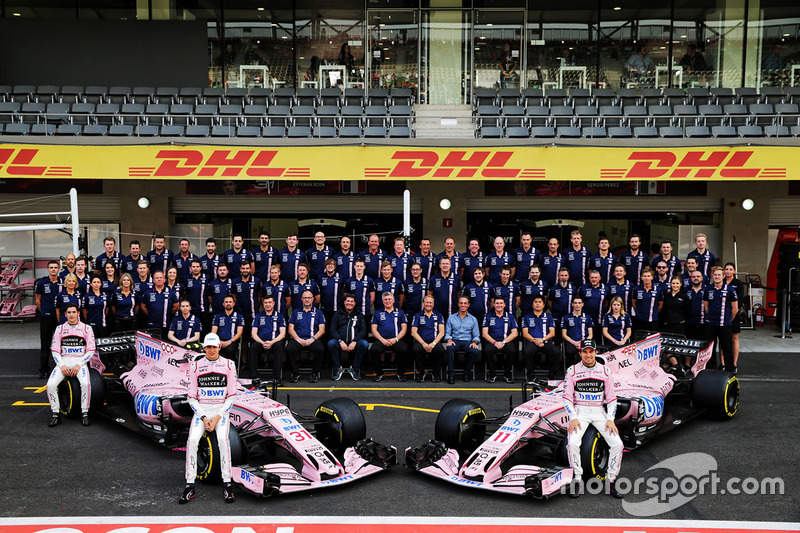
(107, 470)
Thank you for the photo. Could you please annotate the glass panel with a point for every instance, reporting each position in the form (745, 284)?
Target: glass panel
(716, 28)
(497, 49)
(393, 37)
(325, 34)
(561, 45)
(773, 33)
(634, 48)
(205, 10)
(445, 58)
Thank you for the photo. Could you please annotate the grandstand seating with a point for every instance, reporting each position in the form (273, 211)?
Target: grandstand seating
(695, 112)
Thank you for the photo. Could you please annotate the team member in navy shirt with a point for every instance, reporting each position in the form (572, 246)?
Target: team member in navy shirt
(362, 287)
(508, 290)
(219, 288)
(110, 255)
(449, 252)
(268, 334)
(68, 267)
(373, 257)
(621, 287)
(538, 332)
(498, 259)
(211, 260)
(499, 331)
(345, 258)
(721, 305)
(673, 263)
(348, 335)
(427, 330)
(142, 283)
(389, 327)
(263, 257)
(595, 295)
(647, 302)
(560, 297)
(525, 256)
(301, 284)
(552, 262)
(185, 327)
(705, 259)
(159, 258)
(229, 325)
(445, 288)
(306, 328)
(247, 290)
(47, 289)
(183, 260)
(425, 259)
(414, 290)
(195, 290)
(616, 324)
(317, 255)
(236, 256)
(330, 290)
(289, 258)
(110, 278)
(530, 288)
(277, 288)
(479, 293)
(173, 282)
(603, 261)
(80, 274)
(691, 266)
(387, 282)
(159, 304)
(129, 262)
(95, 307)
(634, 259)
(575, 327)
(125, 304)
(400, 260)
(69, 295)
(576, 259)
(473, 259)
(695, 322)
(661, 280)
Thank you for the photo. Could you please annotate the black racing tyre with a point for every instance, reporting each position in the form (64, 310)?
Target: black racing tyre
(789, 253)
(208, 456)
(457, 427)
(717, 391)
(69, 394)
(594, 454)
(341, 424)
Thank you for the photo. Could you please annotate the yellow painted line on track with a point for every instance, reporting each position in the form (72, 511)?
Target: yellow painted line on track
(37, 390)
(372, 406)
(26, 404)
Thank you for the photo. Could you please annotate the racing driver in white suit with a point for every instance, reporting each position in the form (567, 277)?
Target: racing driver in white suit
(589, 398)
(212, 387)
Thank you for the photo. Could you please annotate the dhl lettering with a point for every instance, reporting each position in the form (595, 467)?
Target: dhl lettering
(20, 164)
(656, 165)
(465, 164)
(225, 163)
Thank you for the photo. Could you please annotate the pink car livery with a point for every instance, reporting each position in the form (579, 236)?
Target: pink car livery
(650, 401)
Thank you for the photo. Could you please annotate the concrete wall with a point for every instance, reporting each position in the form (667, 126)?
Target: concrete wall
(432, 192)
(134, 219)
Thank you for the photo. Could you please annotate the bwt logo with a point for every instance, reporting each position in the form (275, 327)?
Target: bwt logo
(725, 164)
(147, 405)
(224, 163)
(455, 163)
(653, 406)
(151, 352)
(646, 353)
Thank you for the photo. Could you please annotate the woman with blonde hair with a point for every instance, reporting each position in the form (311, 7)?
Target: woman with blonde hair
(616, 324)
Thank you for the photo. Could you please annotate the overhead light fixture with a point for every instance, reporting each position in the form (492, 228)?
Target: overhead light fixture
(445, 204)
(683, 36)
(260, 9)
(490, 24)
(17, 14)
(144, 202)
(748, 204)
(381, 24)
(617, 8)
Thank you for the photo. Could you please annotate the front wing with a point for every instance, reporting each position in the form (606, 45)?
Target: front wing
(437, 460)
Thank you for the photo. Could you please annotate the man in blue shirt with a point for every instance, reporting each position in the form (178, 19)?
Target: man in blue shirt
(389, 327)
(330, 290)
(575, 327)
(196, 288)
(268, 334)
(621, 287)
(183, 261)
(159, 259)
(400, 260)
(247, 290)
(229, 325)
(218, 289)
(499, 333)
(595, 295)
(450, 252)
(362, 287)
(211, 260)
(474, 258)
(425, 258)
(576, 259)
(721, 303)
(47, 288)
(236, 256)
(185, 327)
(414, 289)
(110, 254)
(289, 258)
(538, 332)
(673, 263)
(306, 328)
(348, 335)
(691, 267)
(603, 261)
(299, 286)
(159, 304)
(560, 297)
(552, 262)
(373, 257)
(695, 322)
(462, 333)
(525, 256)
(530, 288)
(445, 288)
(389, 283)
(345, 258)
(479, 293)
(276, 288)
(317, 255)
(508, 290)
(427, 330)
(634, 260)
(263, 257)
(142, 282)
(705, 259)
(647, 301)
(129, 262)
(498, 259)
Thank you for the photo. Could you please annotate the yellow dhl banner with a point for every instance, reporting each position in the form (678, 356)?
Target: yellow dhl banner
(405, 163)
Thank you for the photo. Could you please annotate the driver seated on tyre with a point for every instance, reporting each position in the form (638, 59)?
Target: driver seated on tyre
(72, 348)
(588, 388)
(212, 387)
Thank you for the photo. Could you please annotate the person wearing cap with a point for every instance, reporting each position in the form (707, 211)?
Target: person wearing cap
(212, 388)
(590, 399)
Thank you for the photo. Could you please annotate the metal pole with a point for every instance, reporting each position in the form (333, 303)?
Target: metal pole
(34, 227)
(51, 213)
(76, 227)
(407, 216)
(735, 254)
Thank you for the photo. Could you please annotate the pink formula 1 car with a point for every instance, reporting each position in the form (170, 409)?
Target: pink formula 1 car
(527, 454)
(327, 449)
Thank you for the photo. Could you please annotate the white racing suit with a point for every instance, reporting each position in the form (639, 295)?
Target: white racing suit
(586, 392)
(212, 387)
(72, 345)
